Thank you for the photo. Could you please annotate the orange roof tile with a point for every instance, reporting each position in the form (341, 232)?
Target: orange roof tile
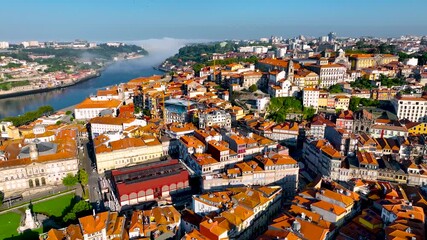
(93, 224)
(88, 103)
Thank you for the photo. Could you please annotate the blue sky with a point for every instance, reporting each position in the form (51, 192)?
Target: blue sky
(105, 20)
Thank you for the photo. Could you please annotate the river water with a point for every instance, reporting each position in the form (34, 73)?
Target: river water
(118, 72)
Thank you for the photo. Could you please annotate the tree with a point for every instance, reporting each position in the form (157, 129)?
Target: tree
(336, 88)
(81, 206)
(356, 102)
(29, 116)
(362, 83)
(390, 82)
(82, 177)
(253, 88)
(308, 113)
(69, 180)
(68, 112)
(197, 67)
(69, 217)
(281, 106)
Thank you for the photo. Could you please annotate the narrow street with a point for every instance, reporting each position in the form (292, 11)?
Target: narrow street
(88, 163)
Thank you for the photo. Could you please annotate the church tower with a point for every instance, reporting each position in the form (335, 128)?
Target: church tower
(290, 72)
(34, 153)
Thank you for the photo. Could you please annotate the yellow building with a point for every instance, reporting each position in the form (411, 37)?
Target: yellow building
(359, 61)
(236, 113)
(417, 128)
(125, 152)
(306, 78)
(342, 102)
(234, 66)
(323, 99)
(7, 130)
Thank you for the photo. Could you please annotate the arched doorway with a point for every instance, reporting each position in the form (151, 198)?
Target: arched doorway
(30, 182)
(43, 181)
(37, 182)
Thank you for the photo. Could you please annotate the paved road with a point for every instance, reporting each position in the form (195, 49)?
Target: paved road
(87, 162)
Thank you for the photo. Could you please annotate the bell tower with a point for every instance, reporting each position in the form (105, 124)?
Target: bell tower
(290, 73)
(34, 153)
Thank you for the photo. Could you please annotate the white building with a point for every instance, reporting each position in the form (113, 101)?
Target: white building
(100, 125)
(126, 152)
(281, 52)
(412, 61)
(260, 49)
(388, 131)
(280, 169)
(213, 117)
(36, 165)
(310, 97)
(411, 107)
(4, 45)
(247, 49)
(262, 103)
(92, 108)
(329, 73)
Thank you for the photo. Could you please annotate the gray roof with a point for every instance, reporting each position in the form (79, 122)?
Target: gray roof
(43, 148)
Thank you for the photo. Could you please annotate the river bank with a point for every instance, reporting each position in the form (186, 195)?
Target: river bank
(47, 89)
(60, 98)
(17, 93)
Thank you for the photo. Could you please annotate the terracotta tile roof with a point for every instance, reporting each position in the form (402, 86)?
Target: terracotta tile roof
(309, 230)
(204, 159)
(347, 201)
(220, 146)
(54, 234)
(366, 158)
(88, 103)
(194, 235)
(126, 143)
(282, 159)
(191, 141)
(238, 139)
(217, 227)
(144, 80)
(337, 210)
(347, 114)
(66, 149)
(92, 224)
(331, 152)
(404, 211)
(107, 92)
(115, 224)
(278, 63)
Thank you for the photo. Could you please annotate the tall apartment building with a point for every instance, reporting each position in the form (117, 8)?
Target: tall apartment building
(413, 108)
(329, 73)
(310, 97)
